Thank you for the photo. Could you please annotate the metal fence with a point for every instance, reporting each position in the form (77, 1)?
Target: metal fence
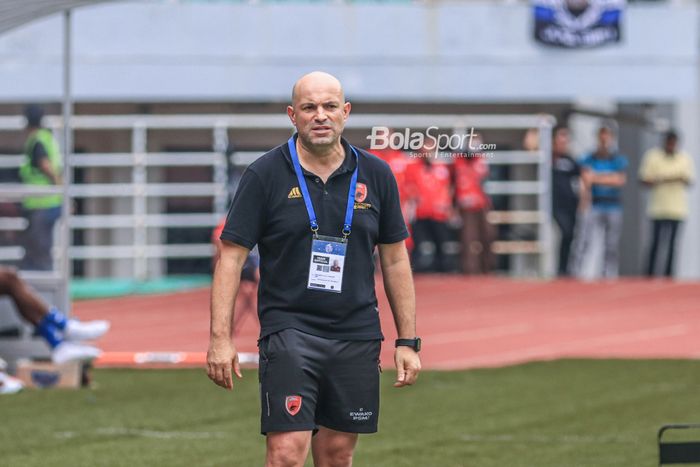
(139, 190)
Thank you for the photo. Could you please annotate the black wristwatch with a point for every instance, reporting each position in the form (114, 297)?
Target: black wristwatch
(412, 343)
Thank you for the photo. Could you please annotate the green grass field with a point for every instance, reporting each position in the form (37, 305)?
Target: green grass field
(564, 414)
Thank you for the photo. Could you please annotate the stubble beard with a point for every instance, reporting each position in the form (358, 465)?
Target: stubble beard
(321, 143)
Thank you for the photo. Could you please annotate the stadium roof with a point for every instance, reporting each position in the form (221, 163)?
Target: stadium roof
(14, 13)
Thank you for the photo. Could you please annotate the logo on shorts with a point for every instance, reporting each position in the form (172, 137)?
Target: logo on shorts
(361, 415)
(294, 193)
(360, 192)
(293, 404)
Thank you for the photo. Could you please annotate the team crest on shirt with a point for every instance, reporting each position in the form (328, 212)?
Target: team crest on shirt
(360, 192)
(293, 404)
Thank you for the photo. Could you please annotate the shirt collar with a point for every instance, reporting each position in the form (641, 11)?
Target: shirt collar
(348, 164)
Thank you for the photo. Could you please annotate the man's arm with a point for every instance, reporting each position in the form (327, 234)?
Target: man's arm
(616, 179)
(40, 159)
(222, 356)
(47, 169)
(398, 283)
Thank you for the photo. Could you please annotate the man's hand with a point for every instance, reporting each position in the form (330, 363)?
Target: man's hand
(221, 358)
(407, 366)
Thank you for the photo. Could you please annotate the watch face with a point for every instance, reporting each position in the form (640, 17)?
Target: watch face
(418, 342)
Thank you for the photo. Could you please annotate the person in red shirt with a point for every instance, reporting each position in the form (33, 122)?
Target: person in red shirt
(473, 204)
(400, 164)
(430, 182)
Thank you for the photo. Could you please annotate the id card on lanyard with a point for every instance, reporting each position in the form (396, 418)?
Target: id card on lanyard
(327, 262)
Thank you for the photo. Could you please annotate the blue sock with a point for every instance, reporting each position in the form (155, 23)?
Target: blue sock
(50, 332)
(56, 318)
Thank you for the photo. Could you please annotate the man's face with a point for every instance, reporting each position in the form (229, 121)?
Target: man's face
(671, 145)
(605, 139)
(318, 112)
(561, 141)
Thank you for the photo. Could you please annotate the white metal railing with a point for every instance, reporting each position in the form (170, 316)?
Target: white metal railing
(139, 190)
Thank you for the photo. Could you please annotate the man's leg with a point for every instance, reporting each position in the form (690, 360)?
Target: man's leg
(441, 235)
(582, 241)
(348, 401)
(50, 323)
(48, 220)
(287, 449)
(471, 248)
(613, 231)
(421, 236)
(30, 241)
(673, 227)
(290, 365)
(656, 232)
(28, 304)
(332, 448)
(566, 220)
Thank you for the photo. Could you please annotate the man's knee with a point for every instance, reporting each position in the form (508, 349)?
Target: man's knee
(334, 457)
(287, 449)
(333, 448)
(8, 279)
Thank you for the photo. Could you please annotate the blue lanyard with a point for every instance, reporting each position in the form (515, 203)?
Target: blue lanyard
(349, 210)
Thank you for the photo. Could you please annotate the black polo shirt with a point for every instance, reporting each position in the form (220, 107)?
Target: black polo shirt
(268, 210)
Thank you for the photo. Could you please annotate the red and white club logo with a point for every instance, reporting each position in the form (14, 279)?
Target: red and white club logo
(293, 404)
(360, 192)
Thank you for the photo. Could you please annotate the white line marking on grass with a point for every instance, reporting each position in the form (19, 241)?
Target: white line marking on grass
(140, 433)
(544, 439)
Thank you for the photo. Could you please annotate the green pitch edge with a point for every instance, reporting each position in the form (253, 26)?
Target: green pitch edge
(81, 289)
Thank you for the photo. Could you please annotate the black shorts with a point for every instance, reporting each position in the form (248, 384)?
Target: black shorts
(308, 381)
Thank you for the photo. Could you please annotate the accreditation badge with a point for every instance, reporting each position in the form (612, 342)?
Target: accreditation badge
(327, 263)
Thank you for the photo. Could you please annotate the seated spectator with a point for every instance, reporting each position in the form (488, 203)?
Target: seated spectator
(62, 334)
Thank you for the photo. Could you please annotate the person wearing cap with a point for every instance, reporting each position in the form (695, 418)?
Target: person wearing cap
(603, 177)
(42, 167)
(311, 201)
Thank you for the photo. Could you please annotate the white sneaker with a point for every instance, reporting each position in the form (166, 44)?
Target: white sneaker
(9, 384)
(85, 331)
(70, 351)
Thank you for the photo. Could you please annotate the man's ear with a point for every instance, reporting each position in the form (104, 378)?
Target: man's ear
(346, 110)
(290, 114)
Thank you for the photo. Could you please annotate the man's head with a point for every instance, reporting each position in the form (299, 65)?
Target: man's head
(34, 114)
(606, 138)
(560, 140)
(318, 109)
(671, 141)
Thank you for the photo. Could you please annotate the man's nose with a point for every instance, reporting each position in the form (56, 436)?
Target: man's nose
(320, 115)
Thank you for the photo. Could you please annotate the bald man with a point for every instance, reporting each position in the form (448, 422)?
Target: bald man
(316, 207)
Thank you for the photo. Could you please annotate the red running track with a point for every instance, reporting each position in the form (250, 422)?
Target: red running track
(464, 322)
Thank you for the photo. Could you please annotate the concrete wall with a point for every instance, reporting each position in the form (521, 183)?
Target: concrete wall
(445, 51)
